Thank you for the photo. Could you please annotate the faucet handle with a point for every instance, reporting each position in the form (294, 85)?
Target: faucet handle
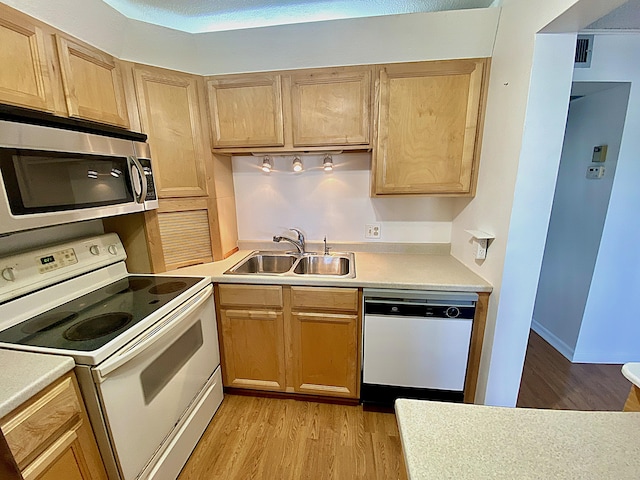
(299, 232)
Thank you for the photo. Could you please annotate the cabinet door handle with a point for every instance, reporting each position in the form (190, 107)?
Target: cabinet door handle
(325, 317)
(251, 314)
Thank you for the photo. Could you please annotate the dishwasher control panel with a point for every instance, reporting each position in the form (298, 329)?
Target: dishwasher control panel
(410, 309)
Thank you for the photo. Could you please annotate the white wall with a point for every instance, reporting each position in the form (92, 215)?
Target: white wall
(578, 215)
(335, 204)
(393, 38)
(47, 236)
(526, 112)
(606, 335)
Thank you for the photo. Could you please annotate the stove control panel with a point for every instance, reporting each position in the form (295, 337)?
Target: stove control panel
(24, 272)
(56, 260)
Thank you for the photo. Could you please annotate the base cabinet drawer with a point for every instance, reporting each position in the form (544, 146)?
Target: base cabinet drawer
(50, 436)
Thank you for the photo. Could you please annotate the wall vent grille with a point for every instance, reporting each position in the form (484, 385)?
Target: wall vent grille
(584, 47)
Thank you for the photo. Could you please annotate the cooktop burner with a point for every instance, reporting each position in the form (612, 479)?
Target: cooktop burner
(129, 285)
(165, 288)
(93, 320)
(48, 321)
(97, 326)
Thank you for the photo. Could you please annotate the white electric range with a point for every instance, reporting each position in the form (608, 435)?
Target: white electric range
(145, 347)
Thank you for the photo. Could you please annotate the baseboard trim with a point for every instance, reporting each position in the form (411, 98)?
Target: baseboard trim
(553, 340)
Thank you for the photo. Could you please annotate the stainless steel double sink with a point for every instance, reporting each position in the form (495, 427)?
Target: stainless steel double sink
(296, 264)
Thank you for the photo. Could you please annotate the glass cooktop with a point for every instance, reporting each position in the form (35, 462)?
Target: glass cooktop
(93, 320)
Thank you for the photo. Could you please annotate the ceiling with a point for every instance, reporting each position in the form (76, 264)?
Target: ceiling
(625, 17)
(195, 16)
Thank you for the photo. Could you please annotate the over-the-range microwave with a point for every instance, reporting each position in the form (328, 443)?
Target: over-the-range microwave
(50, 176)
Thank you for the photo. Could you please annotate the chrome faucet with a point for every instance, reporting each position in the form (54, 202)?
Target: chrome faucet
(299, 243)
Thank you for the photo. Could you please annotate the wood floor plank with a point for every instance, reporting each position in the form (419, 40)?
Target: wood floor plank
(549, 380)
(276, 439)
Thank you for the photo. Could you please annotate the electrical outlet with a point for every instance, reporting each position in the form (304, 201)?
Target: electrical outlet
(595, 171)
(372, 230)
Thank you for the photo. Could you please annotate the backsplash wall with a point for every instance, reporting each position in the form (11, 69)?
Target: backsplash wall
(335, 204)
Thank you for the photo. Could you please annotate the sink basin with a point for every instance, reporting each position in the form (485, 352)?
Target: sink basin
(295, 264)
(322, 265)
(268, 263)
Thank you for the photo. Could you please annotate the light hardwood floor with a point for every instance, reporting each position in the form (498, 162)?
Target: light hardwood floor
(549, 380)
(276, 439)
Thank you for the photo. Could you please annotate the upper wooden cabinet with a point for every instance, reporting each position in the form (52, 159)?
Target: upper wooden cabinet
(428, 128)
(312, 109)
(170, 116)
(246, 111)
(92, 82)
(331, 107)
(24, 75)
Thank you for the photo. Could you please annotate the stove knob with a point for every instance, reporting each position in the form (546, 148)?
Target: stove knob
(453, 312)
(9, 274)
(94, 249)
(113, 250)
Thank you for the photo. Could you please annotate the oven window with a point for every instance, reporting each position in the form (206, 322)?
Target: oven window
(160, 372)
(39, 182)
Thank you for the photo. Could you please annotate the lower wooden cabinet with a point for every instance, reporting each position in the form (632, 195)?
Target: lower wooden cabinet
(254, 349)
(323, 347)
(290, 339)
(50, 436)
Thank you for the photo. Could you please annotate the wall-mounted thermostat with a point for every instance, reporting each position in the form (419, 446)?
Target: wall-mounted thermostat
(595, 171)
(599, 153)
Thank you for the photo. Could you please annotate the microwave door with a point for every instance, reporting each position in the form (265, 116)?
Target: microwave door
(42, 188)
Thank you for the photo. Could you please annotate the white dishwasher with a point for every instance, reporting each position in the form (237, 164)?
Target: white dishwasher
(415, 344)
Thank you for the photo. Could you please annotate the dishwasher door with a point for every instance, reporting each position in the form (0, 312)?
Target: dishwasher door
(416, 347)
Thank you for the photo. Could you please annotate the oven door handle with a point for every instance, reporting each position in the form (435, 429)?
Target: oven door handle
(148, 338)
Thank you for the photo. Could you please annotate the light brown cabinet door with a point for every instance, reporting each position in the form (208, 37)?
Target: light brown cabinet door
(92, 82)
(24, 75)
(170, 116)
(253, 349)
(50, 436)
(429, 117)
(246, 111)
(325, 354)
(66, 461)
(331, 107)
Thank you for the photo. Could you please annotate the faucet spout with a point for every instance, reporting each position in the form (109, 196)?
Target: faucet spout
(299, 243)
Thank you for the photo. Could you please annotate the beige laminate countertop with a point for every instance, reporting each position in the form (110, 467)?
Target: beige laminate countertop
(373, 270)
(23, 374)
(447, 440)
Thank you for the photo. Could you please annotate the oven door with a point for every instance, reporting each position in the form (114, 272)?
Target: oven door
(149, 385)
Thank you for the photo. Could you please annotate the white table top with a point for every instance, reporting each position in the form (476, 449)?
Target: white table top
(458, 441)
(632, 372)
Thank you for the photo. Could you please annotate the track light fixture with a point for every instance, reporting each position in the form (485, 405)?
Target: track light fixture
(266, 164)
(297, 164)
(328, 163)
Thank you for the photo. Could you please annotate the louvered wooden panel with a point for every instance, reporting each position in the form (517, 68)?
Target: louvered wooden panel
(186, 239)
